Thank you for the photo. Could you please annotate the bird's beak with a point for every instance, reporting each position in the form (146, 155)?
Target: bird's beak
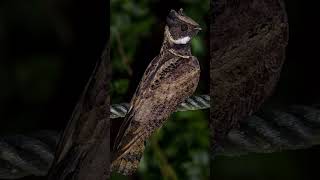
(198, 28)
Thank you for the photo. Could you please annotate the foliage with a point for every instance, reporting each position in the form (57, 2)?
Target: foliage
(129, 23)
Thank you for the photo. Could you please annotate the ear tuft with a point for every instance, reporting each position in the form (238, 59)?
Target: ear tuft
(181, 11)
(172, 14)
(171, 17)
(169, 21)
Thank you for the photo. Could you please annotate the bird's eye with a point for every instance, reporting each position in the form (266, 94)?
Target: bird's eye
(184, 27)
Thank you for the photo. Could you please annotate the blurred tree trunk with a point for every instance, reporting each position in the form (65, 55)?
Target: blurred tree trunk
(248, 40)
(83, 152)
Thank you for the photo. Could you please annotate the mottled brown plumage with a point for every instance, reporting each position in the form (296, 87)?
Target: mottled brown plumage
(170, 78)
(247, 50)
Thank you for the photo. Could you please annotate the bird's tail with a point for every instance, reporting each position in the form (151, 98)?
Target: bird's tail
(127, 163)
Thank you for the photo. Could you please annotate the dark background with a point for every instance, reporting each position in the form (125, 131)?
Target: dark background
(299, 84)
(48, 50)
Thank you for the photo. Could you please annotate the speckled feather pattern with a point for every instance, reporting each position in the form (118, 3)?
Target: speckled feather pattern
(170, 78)
(167, 82)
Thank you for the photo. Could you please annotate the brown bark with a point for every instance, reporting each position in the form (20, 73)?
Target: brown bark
(247, 50)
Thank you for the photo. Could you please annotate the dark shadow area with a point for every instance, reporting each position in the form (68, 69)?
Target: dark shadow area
(48, 50)
(299, 84)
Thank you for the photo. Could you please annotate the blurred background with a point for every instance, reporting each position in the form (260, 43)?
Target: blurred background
(48, 50)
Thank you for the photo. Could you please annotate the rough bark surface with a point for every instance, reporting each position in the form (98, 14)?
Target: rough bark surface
(247, 51)
(83, 152)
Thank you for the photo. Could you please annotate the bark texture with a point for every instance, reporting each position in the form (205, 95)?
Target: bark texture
(83, 152)
(247, 51)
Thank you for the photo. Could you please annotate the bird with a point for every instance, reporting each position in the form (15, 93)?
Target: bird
(170, 78)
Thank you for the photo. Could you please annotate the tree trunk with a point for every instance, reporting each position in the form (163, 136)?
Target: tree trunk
(83, 152)
(248, 39)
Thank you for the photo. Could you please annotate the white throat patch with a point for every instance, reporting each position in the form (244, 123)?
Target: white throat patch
(183, 40)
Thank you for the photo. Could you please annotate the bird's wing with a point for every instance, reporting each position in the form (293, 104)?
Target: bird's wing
(165, 84)
(150, 71)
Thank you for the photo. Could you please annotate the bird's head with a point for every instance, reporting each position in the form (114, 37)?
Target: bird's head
(180, 29)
